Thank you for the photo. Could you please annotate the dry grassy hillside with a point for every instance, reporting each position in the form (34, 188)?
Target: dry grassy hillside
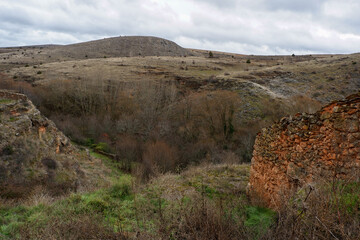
(36, 158)
(104, 48)
(183, 122)
(162, 97)
(320, 77)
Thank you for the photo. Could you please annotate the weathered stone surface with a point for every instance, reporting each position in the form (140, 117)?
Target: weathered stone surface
(305, 148)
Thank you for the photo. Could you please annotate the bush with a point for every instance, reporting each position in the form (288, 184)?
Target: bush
(49, 163)
(330, 211)
(14, 191)
(158, 157)
(316, 94)
(101, 147)
(248, 61)
(120, 191)
(8, 150)
(128, 151)
(72, 227)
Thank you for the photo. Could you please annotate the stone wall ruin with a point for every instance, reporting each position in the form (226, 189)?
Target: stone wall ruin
(306, 148)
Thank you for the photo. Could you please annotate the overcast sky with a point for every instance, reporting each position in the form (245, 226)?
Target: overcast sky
(239, 26)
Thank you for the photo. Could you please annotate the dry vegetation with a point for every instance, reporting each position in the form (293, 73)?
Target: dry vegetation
(206, 202)
(156, 124)
(160, 117)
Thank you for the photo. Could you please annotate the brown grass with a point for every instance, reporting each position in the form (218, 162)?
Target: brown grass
(326, 211)
(74, 227)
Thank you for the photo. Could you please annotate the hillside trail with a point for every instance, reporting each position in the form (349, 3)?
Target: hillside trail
(266, 90)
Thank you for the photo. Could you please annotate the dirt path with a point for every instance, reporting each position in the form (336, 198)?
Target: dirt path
(266, 90)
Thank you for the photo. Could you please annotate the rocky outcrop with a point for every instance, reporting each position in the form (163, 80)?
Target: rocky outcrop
(306, 148)
(33, 152)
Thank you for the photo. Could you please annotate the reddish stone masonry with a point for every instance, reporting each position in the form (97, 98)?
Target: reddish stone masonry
(305, 148)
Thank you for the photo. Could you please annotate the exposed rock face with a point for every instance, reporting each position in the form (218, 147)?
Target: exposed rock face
(33, 152)
(306, 148)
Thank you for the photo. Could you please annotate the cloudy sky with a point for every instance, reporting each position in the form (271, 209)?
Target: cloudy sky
(239, 26)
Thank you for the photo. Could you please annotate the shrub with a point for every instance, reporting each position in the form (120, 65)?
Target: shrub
(158, 157)
(128, 151)
(248, 61)
(101, 147)
(120, 191)
(49, 163)
(14, 191)
(211, 55)
(72, 227)
(316, 94)
(330, 211)
(60, 187)
(8, 150)
(198, 217)
(39, 72)
(89, 142)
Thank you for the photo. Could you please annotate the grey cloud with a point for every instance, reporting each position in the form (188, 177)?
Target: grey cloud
(244, 26)
(220, 3)
(294, 5)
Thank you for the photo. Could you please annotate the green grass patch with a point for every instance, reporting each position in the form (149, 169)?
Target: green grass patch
(113, 205)
(259, 219)
(6, 101)
(114, 166)
(346, 195)
(13, 119)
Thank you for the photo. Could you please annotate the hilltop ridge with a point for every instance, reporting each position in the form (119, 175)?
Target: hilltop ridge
(127, 46)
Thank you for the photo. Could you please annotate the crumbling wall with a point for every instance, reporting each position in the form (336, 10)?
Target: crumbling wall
(303, 149)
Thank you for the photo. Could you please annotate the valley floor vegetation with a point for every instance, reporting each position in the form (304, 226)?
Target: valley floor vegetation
(205, 202)
(158, 126)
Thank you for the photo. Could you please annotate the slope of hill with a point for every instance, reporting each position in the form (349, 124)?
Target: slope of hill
(123, 47)
(33, 152)
(155, 115)
(109, 47)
